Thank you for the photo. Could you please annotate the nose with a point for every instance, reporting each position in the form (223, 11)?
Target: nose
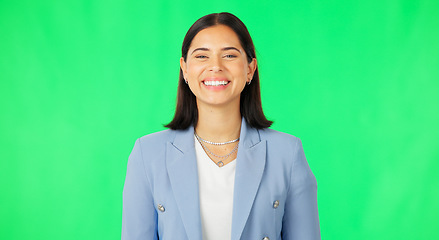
(216, 65)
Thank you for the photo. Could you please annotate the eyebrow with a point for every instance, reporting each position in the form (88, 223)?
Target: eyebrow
(222, 49)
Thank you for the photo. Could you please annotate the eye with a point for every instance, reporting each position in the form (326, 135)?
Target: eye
(230, 56)
(201, 56)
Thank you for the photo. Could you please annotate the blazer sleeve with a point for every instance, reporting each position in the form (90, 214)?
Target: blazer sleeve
(301, 219)
(139, 217)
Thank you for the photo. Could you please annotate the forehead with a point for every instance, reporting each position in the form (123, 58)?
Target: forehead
(217, 36)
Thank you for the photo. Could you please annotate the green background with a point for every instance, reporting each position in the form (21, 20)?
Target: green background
(357, 81)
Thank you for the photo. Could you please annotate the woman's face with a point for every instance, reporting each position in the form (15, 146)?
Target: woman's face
(216, 67)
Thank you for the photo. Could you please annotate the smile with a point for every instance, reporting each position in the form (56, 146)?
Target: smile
(215, 83)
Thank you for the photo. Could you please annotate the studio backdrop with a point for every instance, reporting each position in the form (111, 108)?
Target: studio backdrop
(357, 81)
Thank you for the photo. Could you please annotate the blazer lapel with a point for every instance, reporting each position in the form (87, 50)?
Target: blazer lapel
(183, 174)
(249, 170)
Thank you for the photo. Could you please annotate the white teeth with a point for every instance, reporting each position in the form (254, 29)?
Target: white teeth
(215, 83)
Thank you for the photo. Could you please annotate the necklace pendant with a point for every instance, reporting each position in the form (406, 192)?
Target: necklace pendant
(220, 163)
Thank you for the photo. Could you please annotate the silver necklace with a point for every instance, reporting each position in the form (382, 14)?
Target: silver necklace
(223, 157)
(215, 143)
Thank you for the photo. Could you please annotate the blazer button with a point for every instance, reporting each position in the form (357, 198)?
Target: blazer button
(276, 204)
(266, 238)
(161, 208)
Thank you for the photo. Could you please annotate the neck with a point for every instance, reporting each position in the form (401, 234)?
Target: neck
(218, 124)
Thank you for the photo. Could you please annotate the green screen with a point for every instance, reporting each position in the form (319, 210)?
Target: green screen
(357, 81)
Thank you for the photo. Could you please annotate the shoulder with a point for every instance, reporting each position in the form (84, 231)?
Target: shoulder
(151, 148)
(286, 151)
(282, 148)
(279, 139)
(157, 138)
(154, 144)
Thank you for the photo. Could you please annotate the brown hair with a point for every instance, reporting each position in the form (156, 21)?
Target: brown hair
(186, 112)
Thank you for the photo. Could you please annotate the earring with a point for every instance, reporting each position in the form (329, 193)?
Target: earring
(185, 80)
(248, 83)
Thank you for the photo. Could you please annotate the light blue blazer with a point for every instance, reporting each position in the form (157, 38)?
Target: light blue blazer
(275, 192)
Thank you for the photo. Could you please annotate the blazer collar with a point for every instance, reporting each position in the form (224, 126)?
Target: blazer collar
(182, 168)
(181, 164)
(250, 166)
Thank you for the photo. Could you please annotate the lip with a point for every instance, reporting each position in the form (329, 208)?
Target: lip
(215, 79)
(211, 87)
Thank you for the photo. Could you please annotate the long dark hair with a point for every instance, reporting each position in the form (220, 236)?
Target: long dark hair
(186, 112)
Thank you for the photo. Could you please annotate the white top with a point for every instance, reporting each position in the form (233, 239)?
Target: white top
(216, 196)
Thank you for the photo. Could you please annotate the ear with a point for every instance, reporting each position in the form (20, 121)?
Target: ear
(183, 67)
(251, 69)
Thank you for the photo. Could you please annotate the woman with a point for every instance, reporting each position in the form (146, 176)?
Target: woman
(219, 172)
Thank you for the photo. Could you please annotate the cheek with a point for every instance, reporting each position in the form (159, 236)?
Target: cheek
(195, 70)
(240, 69)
